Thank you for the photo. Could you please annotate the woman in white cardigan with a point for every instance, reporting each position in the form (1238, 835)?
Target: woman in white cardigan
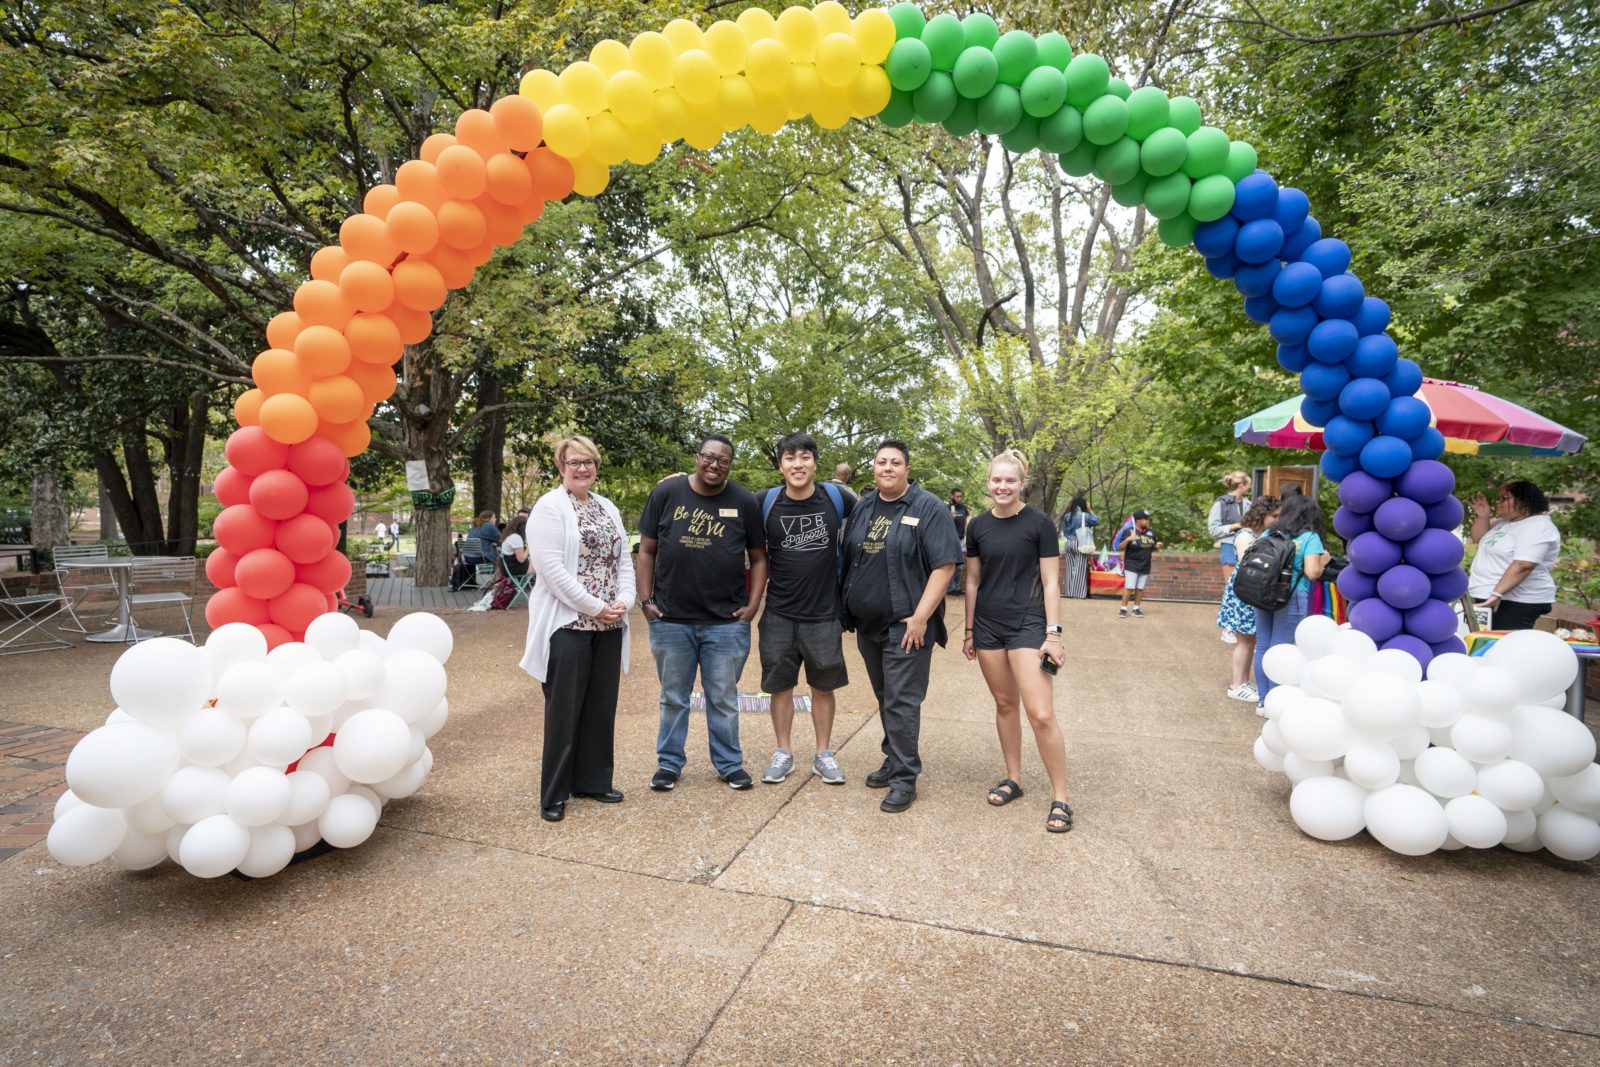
(578, 629)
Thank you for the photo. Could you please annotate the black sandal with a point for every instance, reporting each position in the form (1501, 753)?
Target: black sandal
(1006, 790)
(1059, 813)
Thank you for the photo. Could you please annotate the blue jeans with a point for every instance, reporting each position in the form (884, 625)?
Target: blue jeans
(1277, 628)
(718, 651)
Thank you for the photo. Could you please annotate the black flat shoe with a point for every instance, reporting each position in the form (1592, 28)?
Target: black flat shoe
(610, 796)
(899, 799)
(554, 813)
(879, 779)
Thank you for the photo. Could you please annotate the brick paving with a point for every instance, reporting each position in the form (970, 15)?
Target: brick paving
(33, 775)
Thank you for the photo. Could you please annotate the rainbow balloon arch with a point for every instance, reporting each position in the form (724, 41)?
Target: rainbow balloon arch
(1348, 728)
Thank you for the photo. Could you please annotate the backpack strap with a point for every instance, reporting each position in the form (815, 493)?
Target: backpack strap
(769, 497)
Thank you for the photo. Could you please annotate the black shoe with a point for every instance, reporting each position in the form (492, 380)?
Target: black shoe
(663, 781)
(610, 796)
(555, 812)
(879, 779)
(899, 799)
(738, 779)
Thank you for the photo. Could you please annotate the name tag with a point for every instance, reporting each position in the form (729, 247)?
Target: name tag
(910, 520)
(728, 513)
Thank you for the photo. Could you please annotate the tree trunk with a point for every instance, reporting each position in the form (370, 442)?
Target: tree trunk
(108, 514)
(133, 495)
(489, 450)
(49, 509)
(185, 452)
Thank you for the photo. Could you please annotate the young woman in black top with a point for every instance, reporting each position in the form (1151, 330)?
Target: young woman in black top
(1013, 628)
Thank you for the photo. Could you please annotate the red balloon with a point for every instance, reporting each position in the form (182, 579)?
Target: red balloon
(219, 568)
(317, 461)
(234, 605)
(278, 495)
(296, 607)
(264, 573)
(305, 539)
(275, 635)
(242, 529)
(330, 574)
(332, 503)
(253, 452)
(231, 487)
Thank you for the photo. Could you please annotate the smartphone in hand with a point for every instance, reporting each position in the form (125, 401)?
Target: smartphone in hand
(1048, 665)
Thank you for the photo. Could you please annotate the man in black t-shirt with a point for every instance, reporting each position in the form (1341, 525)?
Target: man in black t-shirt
(1137, 545)
(958, 514)
(695, 535)
(804, 527)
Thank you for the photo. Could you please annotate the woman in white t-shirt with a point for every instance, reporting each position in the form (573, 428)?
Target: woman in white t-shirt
(514, 548)
(1511, 572)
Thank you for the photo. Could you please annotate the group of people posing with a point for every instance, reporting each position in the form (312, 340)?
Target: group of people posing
(813, 562)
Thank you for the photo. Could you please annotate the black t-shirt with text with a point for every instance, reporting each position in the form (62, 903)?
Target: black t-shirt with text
(803, 556)
(1137, 548)
(700, 549)
(1008, 550)
(870, 603)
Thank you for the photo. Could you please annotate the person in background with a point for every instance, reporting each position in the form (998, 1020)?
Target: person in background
(381, 533)
(1511, 572)
(1138, 545)
(1014, 631)
(1235, 614)
(514, 547)
(486, 535)
(959, 514)
(577, 644)
(842, 474)
(1223, 523)
(1073, 519)
(1300, 520)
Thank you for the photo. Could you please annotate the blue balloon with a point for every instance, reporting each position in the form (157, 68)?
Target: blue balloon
(1404, 587)
(1212, 239)
(1385, 457)
(1255, 197)
(1364, 398)
(1297, 285)
(1336, 467)
(1449, 585)
(1376, 619)
(1255, 279)
(1322, 381)
(1222, 266)
(1292, 326)
(1332, 340)
(1445, 514)
(1330, 255)
(1427, 482)
(1260, 309)
(1348, 522)
(1346, 436)
(1431, 621)
(1293, 207)
(1429, 444)
(1259, 240)
(1399, 519)
(1405, 379)
(1340, 297)
(1405, 418)
(1372, 553)
(1434, 551)
(1356, 585)
(1450, 644)
(1294, 245)
(1293, 358)
(1318, 412)
(1374, 356)
(1373, 316)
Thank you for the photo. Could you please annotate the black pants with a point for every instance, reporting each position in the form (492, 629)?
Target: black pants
(580, 713)
(1515, 615)
(900, 682)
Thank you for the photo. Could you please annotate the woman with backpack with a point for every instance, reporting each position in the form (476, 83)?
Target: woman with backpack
(1077, 524)
(1299, 523)
(1224, 522)
(1237, 616)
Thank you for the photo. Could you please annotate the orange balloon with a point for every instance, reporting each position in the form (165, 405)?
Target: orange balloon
(462, 171)
(419, 181)
(278, 371)
(507, 179)
(476, 129)
(320, 303)
(461, 224)
(247, 409)
(455, 266)
(435, 143)
(414, 227)
(339, 398)
(377, 383)
(327, 263)
(529, 210)
(283, 328)
(379, 200)
(414, 326)
(351, 437)
(373, 339)
(367, 286)
(322, 351)
(418, 285)
(501, 223)
(288, 419)
(518, 121)
(482, 254)
(552, 174)
(366, 237)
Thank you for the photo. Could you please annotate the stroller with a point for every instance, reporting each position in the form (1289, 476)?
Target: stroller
(362, 604)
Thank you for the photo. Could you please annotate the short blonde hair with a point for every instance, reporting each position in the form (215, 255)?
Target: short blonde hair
(1234, 479)
(577, 445)
(1016, 459)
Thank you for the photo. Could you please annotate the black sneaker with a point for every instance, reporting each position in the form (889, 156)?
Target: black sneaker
(738, 779)
(1138, 614)
(879, 779)
(663, 781)
(899, 799)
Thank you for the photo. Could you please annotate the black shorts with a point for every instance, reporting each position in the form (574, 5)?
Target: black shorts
(786, 643)
(990, 635)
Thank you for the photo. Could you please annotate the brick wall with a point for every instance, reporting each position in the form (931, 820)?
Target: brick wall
(1191, 577)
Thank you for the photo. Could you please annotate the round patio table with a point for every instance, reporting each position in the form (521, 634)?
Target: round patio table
(121, 568)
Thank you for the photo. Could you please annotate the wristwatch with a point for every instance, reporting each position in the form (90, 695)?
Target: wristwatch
(1054, 631)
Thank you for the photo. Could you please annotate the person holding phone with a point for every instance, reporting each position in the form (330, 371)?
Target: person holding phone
(1014, 631)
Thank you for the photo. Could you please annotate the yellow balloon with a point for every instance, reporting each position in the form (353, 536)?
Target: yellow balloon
(566, 131)
(610, 56)
(695, 75)
(628, 96)
(736, 102)
(832, 111)
(771, 112)
(652, 55)
(590, 176)
(608, 138)
(727, 44)
(869, 92)
(831, 17)
(643, 145)
(672, 115)
(767, 65)
(704, 134)
(542, 87)
(797, 29)
(757, 23)
(684, 35)
(874, 33)
(805, 88)
(838, 59)
(584, 86)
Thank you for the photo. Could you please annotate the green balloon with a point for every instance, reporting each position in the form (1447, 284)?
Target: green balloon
(1054, 51)
(1167, 197)
(1079, 162)
(1208, 151)
(976, 72)
(1183, 114)
(1147, 112)
(1105, 120)
(1178, 231)
(944, 39)
(907, 20)
(1063, 131)
(1164, 152)
(1087, 78)
(1000, 110)
(908, 64)
(1043, 92)
(1241, 161)
(1017, 55)
(899, 111)
(1131, 192)
(936, 98)
(1118, 88)
(1023, 137)
(1117, 162)
(980, 30)
(964, 119)
(1211, 198)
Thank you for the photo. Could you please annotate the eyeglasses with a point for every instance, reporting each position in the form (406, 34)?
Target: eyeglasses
(711, 459)
(581, 464)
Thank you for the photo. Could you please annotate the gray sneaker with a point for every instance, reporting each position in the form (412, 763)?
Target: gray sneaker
(782, 763)
(825, 765)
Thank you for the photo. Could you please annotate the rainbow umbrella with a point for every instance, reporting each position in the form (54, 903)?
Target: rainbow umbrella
(1474, 423)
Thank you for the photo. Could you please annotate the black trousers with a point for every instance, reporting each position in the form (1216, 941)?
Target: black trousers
(580, 713)
(1515, 615)
(900, 682)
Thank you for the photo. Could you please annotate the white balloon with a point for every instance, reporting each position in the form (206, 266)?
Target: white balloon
(1314, 634)
(290, 657)
(66, 802)
(321, 727)
(230, 643)
(1331, 675)
(1352, 644)
(1546, 802)
(1394, 661)
(371, 642)
(373, 745)
(1272, 737)
(413, 684)
(343, 712)
(118, 715)
(86, 834)
(1371, 764)
(1283, 664)
(175, 841)
(1315, 729)
(1299, 769)
(211, 737)
(1439, 703)
(1541, 662)
(149, 817)
(1327, 808)
(1444, 772)
(1581, 791)
(1521, 826)
(122, 764)
(348, 821)
(213, 846)
(1551, 742)
(320, 761)
(422, 632)
(1475, 822)
(307, 835)
(1454, 669)
(1406, 820)
(271, 849)
(1379, 706)
(363, 673)
(1410, 743)
(434, 721)
(333, 634)
(1570, 835)
(257, 797)
(1511, 785)
(370, 795)
(140, 851)
(1451, 844)
(249, 689)
(1276, 702)
(161, 681)
(195, 793)
(280, 737)
(410, 780)
(1408, 772)
(1529, 844)
(1481, 738)
(1494, 691)
(308, 798)
(316, 688)
(242, 762)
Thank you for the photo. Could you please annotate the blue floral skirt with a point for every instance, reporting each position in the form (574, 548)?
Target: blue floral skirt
(1235, 614)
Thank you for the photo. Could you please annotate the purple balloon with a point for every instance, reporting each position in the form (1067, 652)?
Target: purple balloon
(1450, 644)
(1446, 514)
(1349, 523)
(1434, 551)
(1431, 621)
(1376, 619)
(1448, 586)
(1399, 519)
(1427, 482)
(1373, 553)
(1404, 587)
(1363, 492)
(1418, 649)
(1354, 585)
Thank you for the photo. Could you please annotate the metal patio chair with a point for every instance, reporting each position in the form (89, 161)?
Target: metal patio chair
(77, 584)
(166, 580)
(24, 609)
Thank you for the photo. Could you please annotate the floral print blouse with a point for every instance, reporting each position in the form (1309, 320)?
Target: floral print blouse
(600, 552)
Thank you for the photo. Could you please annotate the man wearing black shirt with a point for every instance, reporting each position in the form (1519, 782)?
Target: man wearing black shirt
(695, 534)
(1138, 545)
(958, 514)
